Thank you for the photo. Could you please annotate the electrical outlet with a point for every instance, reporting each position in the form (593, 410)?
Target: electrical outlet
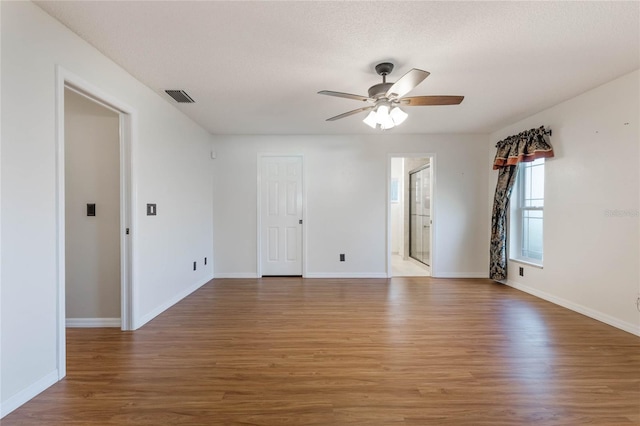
(341, 257)
(521, 271)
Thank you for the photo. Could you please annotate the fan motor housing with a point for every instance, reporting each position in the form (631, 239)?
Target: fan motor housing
(378, 90)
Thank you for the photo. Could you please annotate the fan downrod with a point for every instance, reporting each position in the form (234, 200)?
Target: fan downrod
(378, 90)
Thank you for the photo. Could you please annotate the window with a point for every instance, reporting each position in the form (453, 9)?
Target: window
(527, 213)
(395, 190)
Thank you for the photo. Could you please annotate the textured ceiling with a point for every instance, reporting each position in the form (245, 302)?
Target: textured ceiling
(255, 67)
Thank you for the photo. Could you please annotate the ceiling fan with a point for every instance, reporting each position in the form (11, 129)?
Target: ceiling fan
(386, 98)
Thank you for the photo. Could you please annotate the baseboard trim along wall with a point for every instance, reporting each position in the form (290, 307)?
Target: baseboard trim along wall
(354, 275)
(25, 395)
(346, 275)
(169, 303)
(93, 322)
(460, 275)
(599, 316)
(236, 275)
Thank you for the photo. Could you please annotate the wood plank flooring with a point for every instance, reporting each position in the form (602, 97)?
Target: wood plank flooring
(405, 351)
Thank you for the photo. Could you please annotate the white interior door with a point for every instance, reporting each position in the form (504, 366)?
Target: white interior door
(281, 215)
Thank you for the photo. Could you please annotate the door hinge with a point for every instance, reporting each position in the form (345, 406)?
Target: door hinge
(300, 221)
(127, 231)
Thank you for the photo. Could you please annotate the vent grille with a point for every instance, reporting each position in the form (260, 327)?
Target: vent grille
(180, 96)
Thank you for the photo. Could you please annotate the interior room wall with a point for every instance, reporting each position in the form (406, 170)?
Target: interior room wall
(92, 243)
(346, 201)
(591, 220)
(171, 167)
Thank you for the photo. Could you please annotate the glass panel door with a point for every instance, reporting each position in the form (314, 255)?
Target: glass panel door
(426, 215)
(420, 215)
(415, 238)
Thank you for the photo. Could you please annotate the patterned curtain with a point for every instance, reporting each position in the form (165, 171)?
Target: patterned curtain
(523, 147)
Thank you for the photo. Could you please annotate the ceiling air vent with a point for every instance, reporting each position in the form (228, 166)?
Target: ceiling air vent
(180, 96)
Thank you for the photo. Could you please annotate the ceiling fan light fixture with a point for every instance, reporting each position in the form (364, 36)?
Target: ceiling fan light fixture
(387, 122)
(398, 115)
(370, 120)
(387, 125)
(382, 117)
(382, 113)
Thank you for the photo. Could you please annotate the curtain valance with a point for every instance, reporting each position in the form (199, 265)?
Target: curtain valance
(523, 147)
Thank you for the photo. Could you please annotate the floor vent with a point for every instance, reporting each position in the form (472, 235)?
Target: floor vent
(180, 96)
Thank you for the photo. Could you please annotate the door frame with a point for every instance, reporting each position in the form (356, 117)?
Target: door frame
(260, 157)
(128, 119)
(434, 208)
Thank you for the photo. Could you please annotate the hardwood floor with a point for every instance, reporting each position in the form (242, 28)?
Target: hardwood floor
(406, 351)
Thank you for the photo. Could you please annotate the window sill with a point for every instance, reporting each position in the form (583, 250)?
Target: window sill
(526, 262)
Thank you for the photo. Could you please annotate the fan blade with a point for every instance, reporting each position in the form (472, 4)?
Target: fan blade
(407, 83)
(345, 95)
(346, 114)
(431, 100)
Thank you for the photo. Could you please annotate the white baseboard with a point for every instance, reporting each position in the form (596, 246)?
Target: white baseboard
(169, 303)
(346, 275)
(236, 275)
(93, 322)
(591, 313)
(26, 394)
(460, 274)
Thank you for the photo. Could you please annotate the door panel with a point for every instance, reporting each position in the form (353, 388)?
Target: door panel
(292, 243)
(281, 208)
(272, 195)
(273, 244)
(292, 202)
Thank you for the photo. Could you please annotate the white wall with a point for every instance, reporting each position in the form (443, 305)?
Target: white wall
(346, 183)
(171, 166)
(590, 256)
(92, 175)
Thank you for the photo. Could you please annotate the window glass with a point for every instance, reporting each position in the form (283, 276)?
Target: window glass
(527, 215)
(532, 234)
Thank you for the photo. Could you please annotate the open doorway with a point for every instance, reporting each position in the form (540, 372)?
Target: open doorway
(122, 119)
(92, 213)
(410, 216)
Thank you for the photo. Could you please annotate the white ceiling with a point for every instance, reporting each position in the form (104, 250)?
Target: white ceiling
(255, 67)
